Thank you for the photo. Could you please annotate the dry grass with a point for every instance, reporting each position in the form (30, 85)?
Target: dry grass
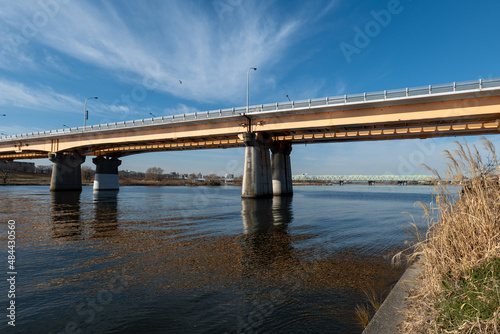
(374, 298)
(460, 250)
(363, 314)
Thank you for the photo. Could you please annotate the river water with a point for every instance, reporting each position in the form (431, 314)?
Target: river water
(201, 260)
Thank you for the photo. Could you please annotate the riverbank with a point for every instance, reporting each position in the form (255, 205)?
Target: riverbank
(389, 315)
(37, 179)
(26, 179)
(458, 288)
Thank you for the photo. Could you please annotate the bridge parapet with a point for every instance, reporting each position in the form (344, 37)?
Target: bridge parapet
(455, 88)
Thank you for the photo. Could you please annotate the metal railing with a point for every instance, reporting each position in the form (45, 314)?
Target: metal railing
(379, 178)
(455, 87)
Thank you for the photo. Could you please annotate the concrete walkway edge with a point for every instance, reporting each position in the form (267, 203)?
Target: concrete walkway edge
(389, 314)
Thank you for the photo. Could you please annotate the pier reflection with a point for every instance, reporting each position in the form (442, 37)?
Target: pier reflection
(105, 222)
(265, 223)
(65, 212)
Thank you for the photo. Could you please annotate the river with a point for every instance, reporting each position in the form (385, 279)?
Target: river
(201, 260)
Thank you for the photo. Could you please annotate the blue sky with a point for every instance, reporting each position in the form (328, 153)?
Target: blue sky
(132, 54)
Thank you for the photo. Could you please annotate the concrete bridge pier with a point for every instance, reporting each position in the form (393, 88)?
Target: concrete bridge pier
(66, 172)
(106, 174)
(257, 170)
(281, 168)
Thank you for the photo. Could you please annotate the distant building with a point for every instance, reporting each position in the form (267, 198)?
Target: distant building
(131, 173)
(229, 178)
(173, 176)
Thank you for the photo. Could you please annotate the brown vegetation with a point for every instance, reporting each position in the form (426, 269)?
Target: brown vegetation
(459, 288)
(19, 178)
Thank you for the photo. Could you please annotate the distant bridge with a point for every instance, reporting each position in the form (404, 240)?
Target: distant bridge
(365, 178)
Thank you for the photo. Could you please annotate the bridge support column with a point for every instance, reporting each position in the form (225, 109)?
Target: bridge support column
(257, 169)
(66, 172)
(106, 174)
(281, 169)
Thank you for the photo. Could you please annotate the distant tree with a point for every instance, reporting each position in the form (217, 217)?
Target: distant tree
(213, 180)
(87, 174)
(193, 177)
(154, 173)
(5, 170)
(43, 169)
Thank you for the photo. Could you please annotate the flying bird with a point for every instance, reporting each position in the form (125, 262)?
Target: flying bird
(180, 81)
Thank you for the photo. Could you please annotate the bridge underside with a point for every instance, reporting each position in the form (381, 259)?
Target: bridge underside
(357, 132)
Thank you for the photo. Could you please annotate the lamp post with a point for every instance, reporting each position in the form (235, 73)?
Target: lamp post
(248, 74)
(85, 112)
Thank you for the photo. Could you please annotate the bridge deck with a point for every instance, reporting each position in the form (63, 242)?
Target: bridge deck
(465, 108)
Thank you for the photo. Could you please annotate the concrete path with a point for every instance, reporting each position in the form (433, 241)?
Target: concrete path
(388, 316)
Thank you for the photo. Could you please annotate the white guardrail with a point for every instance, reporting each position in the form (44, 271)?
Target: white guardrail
(458, 87)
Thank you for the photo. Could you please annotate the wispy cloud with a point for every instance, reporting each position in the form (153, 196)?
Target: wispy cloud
(17, 129)
(180, 42)
(180, 109)
(43, 98)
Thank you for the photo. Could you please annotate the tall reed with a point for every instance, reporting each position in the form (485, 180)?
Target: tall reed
(463, 234)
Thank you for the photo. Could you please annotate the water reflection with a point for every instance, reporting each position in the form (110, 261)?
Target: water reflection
(266, 239)
(261, 215)
(66, 214)
(105, 222)
(280, 272)
(65, 211)
(282, 210)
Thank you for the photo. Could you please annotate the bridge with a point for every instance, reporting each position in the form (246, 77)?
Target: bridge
(403, 179)
(459, 108)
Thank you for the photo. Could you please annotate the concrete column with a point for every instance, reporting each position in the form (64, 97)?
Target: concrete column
(66, 172)
(106, 173)
(257, 170)
(281, 169)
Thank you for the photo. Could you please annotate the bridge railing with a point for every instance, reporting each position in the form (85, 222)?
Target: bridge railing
(366, 178)
(476, 85)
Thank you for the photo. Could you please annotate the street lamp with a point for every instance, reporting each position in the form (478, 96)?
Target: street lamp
(152, 114)
(85, 111)
(248, 74)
